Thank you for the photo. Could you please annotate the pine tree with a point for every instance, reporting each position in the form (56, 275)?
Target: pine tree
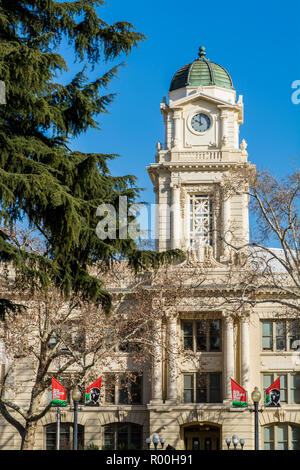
(44, 183)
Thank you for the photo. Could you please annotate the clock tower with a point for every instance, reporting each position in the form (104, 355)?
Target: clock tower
(196, 210)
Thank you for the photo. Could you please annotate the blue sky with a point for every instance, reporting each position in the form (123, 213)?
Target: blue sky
(257, 42)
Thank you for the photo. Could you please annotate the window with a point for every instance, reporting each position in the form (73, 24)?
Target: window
(289, 386)
(66, 436)
(123, 389)
(202, 335)
(71, 337)
(280, 335)
(121, 436)
(282, 437)
(202, 388)
(200, 220)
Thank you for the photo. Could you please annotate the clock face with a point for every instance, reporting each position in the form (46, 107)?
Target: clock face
(200, 122)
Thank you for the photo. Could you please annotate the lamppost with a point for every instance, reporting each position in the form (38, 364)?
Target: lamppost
(235, 440)
(255, 395)
(76, 396)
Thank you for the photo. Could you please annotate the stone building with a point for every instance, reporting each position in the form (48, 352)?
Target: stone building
(189, 404)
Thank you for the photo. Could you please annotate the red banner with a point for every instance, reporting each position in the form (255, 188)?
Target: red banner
(59, 393)
(239, 395)
(92, 396)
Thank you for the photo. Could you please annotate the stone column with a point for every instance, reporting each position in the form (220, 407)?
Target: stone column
(223, 133)
(229, 356)
(157, 364)
(176, 135)
(245, 218)
(245, 353)
(176, 217)
(172, 359)
(226, 225)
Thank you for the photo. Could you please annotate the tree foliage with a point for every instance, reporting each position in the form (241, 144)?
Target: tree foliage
(42, 182)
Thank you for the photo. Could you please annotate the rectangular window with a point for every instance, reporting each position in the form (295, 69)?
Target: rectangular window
(289, 386)
(282, 437)
(109, 386)
(202, 335)
(201, 220)
(294, 335)
(267, 335)
(269, 438)
(280, 335)
(188, 335)
(295, 388)
(202, 388)
(123, 389)
(188, 384)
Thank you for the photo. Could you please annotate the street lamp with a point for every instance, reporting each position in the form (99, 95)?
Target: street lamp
(235, 440)
(256, 396)
(162, 441)
(76, 396)
(155, 439)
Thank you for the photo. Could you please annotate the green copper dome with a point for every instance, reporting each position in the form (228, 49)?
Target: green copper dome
(201, 72)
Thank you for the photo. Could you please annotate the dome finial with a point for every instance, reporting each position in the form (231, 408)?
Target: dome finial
(202, 52)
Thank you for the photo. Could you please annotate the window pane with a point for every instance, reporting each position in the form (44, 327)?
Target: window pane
(269, 433)
(123, 391)
(188, 335)
(294, 335)
(282, 436)
(269, 438)
(295, 437)
(188, 396)
(295, 388)
(215, 335)
(267, 335)
(188, 381)
(267, 343)
(201, 388)
(201, 335)
(188, 393)
(136, 390)
(135, 437)
(283, 387)
(123, 436)
(267, 328)
(109, 437)
(109, 388)
(215, 388)
(268, 380)
(280, 336)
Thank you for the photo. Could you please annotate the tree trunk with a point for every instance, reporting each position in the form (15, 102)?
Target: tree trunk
(28, 438)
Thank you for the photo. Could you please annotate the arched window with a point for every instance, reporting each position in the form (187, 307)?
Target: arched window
(282, 437)
(66, 436)
(118, 436)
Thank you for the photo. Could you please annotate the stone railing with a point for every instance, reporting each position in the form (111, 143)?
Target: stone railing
(186, 156)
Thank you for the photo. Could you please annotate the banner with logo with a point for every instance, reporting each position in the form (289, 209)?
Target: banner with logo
(273, 394)
(92, 395)
(59, 393)
(239, 395)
